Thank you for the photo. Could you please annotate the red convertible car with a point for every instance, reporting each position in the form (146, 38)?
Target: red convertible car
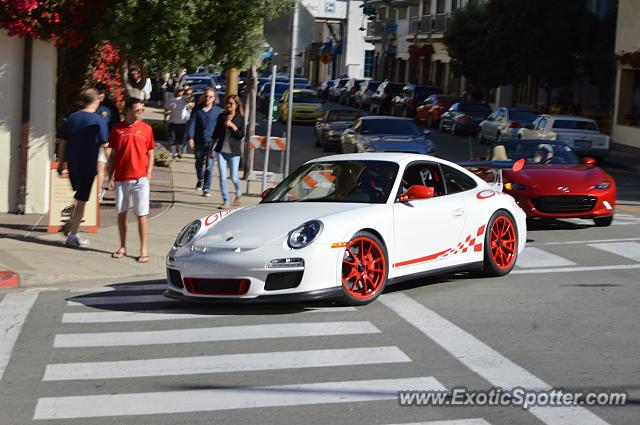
(554, 183)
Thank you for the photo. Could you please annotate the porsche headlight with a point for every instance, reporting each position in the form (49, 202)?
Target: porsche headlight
(602, 185)
(187, 233)
(305, 234)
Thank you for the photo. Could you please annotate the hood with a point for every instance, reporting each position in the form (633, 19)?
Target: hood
(253, 226)
(411, 145)
(577, 177)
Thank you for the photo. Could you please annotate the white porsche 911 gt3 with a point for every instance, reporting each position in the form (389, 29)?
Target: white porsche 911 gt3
(344, 227)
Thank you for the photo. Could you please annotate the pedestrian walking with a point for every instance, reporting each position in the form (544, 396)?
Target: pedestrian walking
(108, 110)
(82, 135)
(228, 146)
(130, 166)
(200, 131)
(177, 112)
(134, 84)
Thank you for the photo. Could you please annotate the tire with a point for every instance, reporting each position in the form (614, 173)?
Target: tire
(500, 244)
(603, 221)
(362, 281)
(319, 141)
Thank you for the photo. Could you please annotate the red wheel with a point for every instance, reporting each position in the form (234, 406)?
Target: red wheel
(501, 244)
(364, 269)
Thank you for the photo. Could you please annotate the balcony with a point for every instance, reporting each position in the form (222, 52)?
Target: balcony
(375, 29)
(426, 24)
(441, 22)
(414, 25)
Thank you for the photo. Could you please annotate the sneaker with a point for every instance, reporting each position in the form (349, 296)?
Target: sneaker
(75, 241)
(66, 228)
(199, 185)
(237, 201)
(101, 194)
(179, 155)
(207, 194)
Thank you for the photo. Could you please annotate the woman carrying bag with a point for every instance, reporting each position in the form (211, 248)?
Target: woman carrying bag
(227, 142)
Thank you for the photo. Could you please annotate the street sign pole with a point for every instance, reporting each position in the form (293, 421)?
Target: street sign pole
(265, 168)
(292, 67)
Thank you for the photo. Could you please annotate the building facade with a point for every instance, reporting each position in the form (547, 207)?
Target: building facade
(27, 125)
(626, 112)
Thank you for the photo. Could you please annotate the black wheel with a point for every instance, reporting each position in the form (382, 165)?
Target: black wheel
(500, 244)
(603, 221)
(365, 267)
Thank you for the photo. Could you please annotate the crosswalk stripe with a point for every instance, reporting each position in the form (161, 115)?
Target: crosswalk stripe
(223, 333)
(122, 299)
(536, 257)
(630, 250)
(224, 363)
(473, 421)
(228, 398)
(175, 314)
(142, 287)
(14, 309)
(483, 360)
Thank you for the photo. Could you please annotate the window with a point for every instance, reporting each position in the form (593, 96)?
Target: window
(402, 13)
(629, 98)
(454, 5)
(368, 63)
(440, 6)
(425, 174)
(426, 7)
(575, 125)
(456, 181)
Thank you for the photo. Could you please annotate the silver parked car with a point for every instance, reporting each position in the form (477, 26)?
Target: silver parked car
(504, 123)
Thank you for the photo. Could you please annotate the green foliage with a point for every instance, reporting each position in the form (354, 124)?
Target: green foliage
(162, 158)
(160, 130)
(505, 41)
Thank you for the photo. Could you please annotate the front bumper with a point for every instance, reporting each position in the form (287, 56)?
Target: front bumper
(534, 206)
(305, 116)
(320, 294)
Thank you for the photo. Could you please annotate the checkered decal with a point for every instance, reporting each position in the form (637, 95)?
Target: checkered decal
(473, 244)
(469, 244)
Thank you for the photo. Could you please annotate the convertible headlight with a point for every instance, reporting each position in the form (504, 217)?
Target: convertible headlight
(305, 234)
(602, 185)
(515, 186)
(188, 233)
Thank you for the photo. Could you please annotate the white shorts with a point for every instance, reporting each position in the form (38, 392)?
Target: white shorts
(102, 156)
(138, 190)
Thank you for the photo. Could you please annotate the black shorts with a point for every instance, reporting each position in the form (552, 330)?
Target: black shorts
(177, 133)
(81, 184)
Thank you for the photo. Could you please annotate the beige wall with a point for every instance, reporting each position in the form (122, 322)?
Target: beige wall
(42, 125)
(628, 40)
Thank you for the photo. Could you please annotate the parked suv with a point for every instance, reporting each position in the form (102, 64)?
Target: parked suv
(381, 100)
(349, 90)
(464, 117)
(410, 98)
(362, 98)
(336, 89)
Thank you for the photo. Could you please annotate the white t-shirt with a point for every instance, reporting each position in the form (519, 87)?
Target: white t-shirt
(180, 112)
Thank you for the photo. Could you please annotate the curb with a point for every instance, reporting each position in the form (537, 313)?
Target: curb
(9, 279)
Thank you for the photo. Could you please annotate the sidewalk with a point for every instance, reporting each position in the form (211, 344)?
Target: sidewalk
(42, 260)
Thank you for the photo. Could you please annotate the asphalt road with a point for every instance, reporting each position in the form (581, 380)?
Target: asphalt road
(566, 317)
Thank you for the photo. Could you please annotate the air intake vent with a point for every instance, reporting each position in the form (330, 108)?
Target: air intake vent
(283, 280)
(205, 286)
(175, 278)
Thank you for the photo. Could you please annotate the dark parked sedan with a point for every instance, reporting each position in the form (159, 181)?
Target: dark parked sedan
(410, 98)
(329, 128)
(386, 134)
(464, 117)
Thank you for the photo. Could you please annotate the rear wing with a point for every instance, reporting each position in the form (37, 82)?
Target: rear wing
(483, 168)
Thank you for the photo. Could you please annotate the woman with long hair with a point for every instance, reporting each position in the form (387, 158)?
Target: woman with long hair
(227, 142)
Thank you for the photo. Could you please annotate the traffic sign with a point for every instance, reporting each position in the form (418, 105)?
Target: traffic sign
(326, 58)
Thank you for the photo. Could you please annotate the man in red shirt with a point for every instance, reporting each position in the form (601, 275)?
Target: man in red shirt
(130, 166)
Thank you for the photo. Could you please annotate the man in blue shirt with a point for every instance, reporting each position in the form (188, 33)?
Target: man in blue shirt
(82, 134)
(199, 133)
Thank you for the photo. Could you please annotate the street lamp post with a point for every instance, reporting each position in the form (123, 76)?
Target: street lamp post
(292, 67)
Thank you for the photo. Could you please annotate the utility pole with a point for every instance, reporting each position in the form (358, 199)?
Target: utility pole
(292, 68)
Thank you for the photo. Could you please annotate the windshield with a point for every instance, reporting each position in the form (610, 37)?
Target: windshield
(520, 115)
(305, 98)
(373, 85)
(338, 181)
(575, 125)
(343, 115)
(386, 126)
(392, 89)
(538, 153)
(198, 82)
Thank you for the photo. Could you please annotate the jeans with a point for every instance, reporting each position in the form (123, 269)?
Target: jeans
(234, 163)
(204, 166)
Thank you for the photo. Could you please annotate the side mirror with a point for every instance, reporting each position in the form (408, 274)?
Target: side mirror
(417, 191)
(266, 193)
(588, 160)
